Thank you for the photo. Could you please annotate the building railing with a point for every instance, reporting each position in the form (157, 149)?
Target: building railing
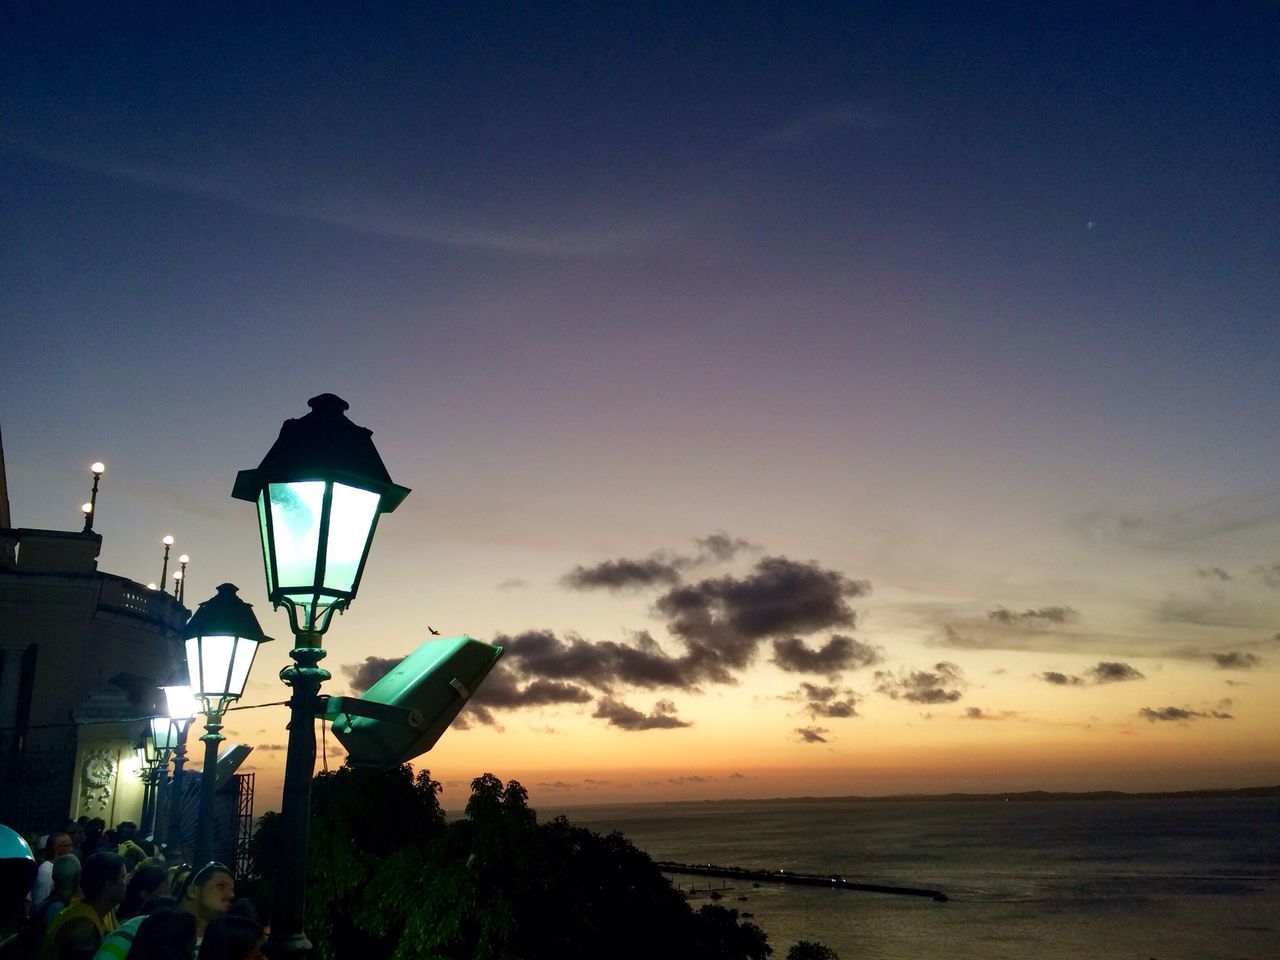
(121, 595)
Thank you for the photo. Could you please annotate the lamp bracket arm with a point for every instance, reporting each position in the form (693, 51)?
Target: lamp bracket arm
(332, 708)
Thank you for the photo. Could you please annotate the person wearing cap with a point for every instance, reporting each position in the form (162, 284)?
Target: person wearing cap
(17, 871)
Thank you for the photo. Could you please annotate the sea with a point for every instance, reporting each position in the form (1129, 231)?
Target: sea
(1053, 879)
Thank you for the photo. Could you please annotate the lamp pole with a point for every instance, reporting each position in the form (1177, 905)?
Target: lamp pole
(97, 469)
(182, 585)
(183, 707)
(222, 637)
(319, 492)
(164, 569)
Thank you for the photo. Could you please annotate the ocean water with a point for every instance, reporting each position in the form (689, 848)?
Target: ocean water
(1181, 879)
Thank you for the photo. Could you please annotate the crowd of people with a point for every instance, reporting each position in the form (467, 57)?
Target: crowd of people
(104, 894)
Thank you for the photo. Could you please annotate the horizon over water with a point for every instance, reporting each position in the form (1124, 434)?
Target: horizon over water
(1059, 878)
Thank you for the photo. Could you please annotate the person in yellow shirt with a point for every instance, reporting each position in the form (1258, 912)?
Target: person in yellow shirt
(77, 932)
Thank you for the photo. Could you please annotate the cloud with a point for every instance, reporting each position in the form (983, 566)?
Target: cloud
(623, 574)
(920, 686)
(824, 121)
(1111, 672)
(554, 785)
(1161, 530)
(723, 620)
(736, 776)
(812, 734)
(502, 689)
(1236, 660)
(369, 671)
(1033, 618)
(271, 747)
(1181, 714)
(1059, 679)
(689, 778)
(540, 653)
(827, 701)
(1269, 574)
(620, 715)
(720, 547)
(513, 584)
(1213, 573)
(839, 653)
(1201, 612)
(977, 713)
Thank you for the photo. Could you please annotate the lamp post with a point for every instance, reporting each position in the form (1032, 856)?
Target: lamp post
(182, 586)
(183, 707)
(177, 583)
(222, 637)
(97, 468)
(164, 738)
(319, 491)
(164, 570)
(154, 756)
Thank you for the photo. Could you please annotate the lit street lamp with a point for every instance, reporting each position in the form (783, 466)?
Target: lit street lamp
(164, 570)
(222, 637)
(97, 468)
(319, 491)
(182, 707)
(154, 756)
(182, 587)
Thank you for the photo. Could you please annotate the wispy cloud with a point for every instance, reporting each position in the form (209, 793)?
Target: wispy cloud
(831, 119)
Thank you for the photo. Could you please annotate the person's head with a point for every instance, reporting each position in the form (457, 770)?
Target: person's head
(149, 880)
(66, 876)
(207, 892)
(126, 830)
(58, 845)
(75, 829)
(165, 935)
(103, 880)
(232, 937)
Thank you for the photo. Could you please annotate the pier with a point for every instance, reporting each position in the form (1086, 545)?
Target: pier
(799, 879)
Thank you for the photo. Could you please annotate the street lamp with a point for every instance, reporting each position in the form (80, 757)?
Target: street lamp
(164, 570)
(182, 707)
(152, 754)
(222, 637)
(319, 491)
(97, 468)
(182, 587)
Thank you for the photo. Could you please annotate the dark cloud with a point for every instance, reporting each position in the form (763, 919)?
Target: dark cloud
(1181, 714)
(689, 778)
(721, 547)
(723, 620)
(502, 689)
(1236, 660)
(1036, 618)
(922, 686)
(1106, 671)
(977, 713)
(554, 785)
(368, 672)
(620, 715)
(827, 701)
(1059, 679)
(839, 653)
(1213, 573)
(735, 776)
(624, 574)
(812, 734)
(271, 746)
(540, 653)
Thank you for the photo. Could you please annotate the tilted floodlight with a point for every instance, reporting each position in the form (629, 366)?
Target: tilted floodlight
(403, 715)
(319, 492)
(222, 637)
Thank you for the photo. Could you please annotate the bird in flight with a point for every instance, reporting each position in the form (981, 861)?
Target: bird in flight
(434, 632)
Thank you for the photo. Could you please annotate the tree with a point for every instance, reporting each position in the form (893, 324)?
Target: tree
(811, 950)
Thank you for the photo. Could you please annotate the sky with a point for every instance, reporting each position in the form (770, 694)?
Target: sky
(812, 400)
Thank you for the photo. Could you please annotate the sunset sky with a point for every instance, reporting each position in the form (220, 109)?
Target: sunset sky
(814, 399)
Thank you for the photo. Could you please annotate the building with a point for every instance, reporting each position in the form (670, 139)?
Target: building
(82, 655)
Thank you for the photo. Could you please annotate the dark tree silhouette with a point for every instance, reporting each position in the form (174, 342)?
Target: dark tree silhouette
(811, 950)
(388, 878)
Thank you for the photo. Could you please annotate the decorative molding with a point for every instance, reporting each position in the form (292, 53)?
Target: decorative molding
(97, 774)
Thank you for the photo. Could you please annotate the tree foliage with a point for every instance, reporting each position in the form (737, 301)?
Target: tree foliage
(389, 879)
(811, 950)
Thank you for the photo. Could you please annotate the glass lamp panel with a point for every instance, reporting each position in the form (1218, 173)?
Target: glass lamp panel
(296, 510)
(245, 649)
(266, 540)
(351, 518)
(179, 699)
(215, 666)
(162, 734)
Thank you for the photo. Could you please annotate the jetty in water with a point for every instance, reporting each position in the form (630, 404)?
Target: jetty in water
(835, 882)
